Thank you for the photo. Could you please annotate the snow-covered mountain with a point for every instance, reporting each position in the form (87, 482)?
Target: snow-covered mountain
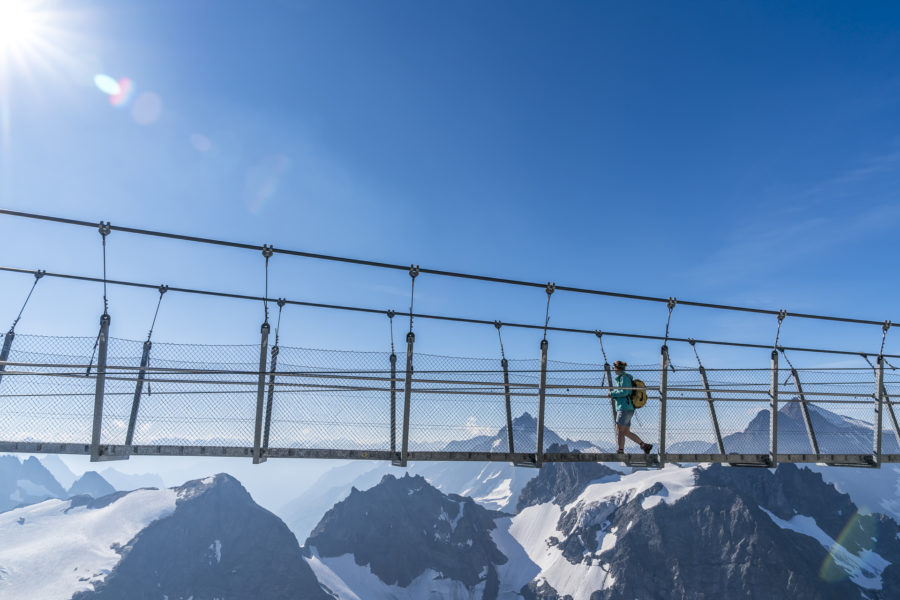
(711, 532)
(26, 482)
(835, 433)
(91, 484)
(206, 539)
(404, 539)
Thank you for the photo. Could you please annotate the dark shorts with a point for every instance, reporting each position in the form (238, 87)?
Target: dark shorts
(623, 417)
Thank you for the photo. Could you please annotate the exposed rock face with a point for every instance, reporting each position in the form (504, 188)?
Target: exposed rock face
(24, 483)
(217, 543)
(403, 527)
(91, 484)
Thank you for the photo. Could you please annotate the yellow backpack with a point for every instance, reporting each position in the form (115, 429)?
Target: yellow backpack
(639, 394)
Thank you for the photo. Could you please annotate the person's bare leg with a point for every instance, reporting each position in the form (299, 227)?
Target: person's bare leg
(620, 436)
(631, 436)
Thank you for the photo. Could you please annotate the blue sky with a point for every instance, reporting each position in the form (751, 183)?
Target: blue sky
(734, 153)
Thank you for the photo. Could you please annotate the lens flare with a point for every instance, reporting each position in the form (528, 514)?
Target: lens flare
(107, 84)
(126, 91)
(852, 550)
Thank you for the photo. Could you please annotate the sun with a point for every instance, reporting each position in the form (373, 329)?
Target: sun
(20, 25)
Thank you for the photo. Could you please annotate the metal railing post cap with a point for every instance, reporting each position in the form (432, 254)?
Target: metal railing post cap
(264, 328)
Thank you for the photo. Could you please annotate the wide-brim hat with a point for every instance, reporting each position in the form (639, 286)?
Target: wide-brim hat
(620, 364)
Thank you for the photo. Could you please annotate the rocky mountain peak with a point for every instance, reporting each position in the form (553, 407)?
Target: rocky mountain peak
(404, 526)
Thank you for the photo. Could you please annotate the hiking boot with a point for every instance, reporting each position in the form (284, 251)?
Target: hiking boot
(647, 448)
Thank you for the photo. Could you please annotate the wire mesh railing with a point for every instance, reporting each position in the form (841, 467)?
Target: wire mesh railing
(202, 396)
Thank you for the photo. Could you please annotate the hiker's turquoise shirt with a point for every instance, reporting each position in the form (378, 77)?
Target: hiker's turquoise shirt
(623, 396)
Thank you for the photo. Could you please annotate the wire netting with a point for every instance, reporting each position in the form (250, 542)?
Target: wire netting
(202, 395)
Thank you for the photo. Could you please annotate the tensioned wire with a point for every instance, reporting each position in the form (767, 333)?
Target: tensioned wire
(442, 317)
(441, 272)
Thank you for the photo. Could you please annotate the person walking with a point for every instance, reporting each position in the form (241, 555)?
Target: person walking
(621, 393)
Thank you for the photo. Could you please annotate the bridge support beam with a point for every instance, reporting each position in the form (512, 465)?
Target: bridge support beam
(663, 386)
(393, 403)
(98, 453)
(712, 410)
(4, 352)
(258, 455)
(773, 412)
(270, 399)
(879, 400)
(542, 396)
(407, 398)
(804, 408)
(509, 421)
(138, 390)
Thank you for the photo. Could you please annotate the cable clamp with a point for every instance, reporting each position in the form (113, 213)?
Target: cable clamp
(598, 333)
(551, 287)
(886, 325)
(413, 271)
(268, 250)
(692, 341)
(390, 314)
(104, 228)
(163, 289)
(498, 325)
(281, 302)
(781, 315)
(672, 302)
(39, 273)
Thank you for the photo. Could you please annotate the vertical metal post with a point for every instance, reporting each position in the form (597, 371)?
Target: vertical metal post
(138, 390)
(804, 408)
(407, 396)
(509, 422)
(612, 403)
(773, 412)
(103, 341)
(663, 387)
(393, 402)
(4, 353)
(879, 400)
(542, 393)
(712, 410)
(270, 398)
(258, 456)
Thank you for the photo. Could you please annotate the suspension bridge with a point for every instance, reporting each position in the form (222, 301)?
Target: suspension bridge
(113, 398)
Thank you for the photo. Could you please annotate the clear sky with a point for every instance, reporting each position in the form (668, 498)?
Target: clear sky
(741, 153)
